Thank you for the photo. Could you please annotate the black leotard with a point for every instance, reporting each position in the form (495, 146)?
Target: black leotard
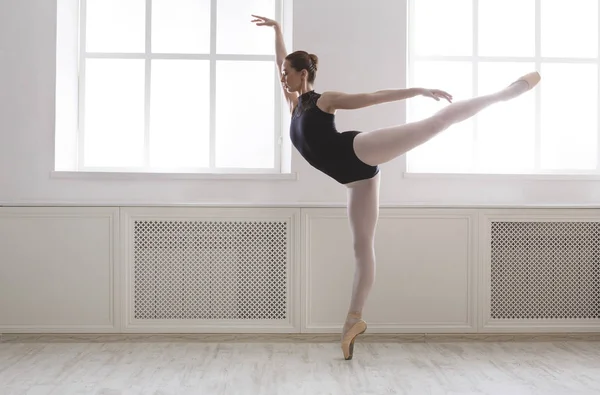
(314, 135)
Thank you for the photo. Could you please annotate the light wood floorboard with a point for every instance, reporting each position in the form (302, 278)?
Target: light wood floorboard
(167, 367)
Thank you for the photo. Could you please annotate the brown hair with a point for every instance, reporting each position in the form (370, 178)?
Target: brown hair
(302, 60)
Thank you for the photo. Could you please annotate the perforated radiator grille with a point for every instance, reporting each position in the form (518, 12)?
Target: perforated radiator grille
(210, 270)
(545, 270)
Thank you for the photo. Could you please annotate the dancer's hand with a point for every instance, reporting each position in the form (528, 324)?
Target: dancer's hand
(436, 94)
(262, 21)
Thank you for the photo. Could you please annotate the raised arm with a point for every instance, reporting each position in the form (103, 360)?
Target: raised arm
(280, 54)
(350, 101)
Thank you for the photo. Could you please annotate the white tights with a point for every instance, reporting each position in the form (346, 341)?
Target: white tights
(363, 212)
(381, 146)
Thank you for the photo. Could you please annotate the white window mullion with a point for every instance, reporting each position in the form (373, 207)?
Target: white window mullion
(508, 59)
(108, 55)
(81, 116)
(148, 83)
(475, 88)
(213, 83)
(537, 92)
(278, 135)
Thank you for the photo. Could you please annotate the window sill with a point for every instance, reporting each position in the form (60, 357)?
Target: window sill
(500, 177)
(93, 175)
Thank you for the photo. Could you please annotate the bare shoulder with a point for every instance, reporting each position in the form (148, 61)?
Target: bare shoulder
(327, 100)
(347, 101)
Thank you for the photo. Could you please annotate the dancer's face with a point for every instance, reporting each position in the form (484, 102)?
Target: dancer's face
(291, 78)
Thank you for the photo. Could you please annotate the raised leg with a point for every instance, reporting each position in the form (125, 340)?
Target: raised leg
(383, 145)
(363, 213)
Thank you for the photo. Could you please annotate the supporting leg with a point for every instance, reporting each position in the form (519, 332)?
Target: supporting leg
(363, 213)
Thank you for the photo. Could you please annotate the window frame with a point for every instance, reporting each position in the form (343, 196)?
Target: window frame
(475, 59)
(280, 168)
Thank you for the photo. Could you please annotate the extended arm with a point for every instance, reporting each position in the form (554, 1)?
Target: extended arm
(351, 101)
(280, 53)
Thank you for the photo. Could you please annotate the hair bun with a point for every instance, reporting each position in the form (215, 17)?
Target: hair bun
(315, 60)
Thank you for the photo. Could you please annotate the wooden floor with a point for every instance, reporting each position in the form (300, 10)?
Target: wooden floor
(152, 368)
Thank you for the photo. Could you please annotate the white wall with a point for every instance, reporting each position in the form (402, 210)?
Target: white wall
(361, 48)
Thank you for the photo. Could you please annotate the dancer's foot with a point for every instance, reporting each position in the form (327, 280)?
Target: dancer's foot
(353, 327)
(520, 86)
(531, 79)
(351, 319)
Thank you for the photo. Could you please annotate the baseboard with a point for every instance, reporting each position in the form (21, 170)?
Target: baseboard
(294, 338)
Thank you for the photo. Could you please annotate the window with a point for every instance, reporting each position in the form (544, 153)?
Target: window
(474, 47)
(186, 86)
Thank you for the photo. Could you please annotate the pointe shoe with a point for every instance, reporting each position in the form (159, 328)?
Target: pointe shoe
(531, 79)
(348, 339)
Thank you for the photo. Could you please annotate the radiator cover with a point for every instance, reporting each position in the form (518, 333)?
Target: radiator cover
(210, 270)
(545, 270)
